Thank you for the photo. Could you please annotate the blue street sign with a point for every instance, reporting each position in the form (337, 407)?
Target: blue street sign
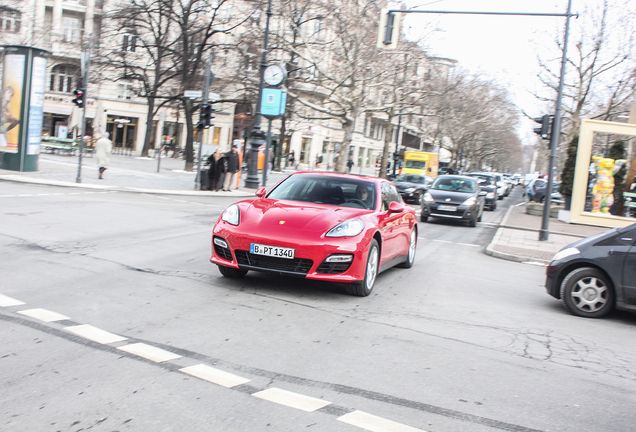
(273, 103)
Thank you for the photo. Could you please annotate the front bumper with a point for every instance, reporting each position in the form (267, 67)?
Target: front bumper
(431, 209)
(309, 257)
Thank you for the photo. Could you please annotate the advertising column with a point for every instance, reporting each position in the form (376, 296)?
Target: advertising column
(23, 86)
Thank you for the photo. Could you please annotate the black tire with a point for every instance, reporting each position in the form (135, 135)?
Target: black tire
(231, 272)
(472, 223)
(587, 292)
(493, 207)
(480, 215)
(412, 249)
(423, 218)
(364, 287)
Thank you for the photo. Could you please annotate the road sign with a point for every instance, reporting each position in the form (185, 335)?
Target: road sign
(193, 94)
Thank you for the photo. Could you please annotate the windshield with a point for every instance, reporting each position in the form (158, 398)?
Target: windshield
(320, 189)
(483, 179)
(411, 178)
(415, 164)
(454, 184)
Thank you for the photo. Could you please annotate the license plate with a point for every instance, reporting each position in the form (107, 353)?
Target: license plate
(446, 208)
(273, 251)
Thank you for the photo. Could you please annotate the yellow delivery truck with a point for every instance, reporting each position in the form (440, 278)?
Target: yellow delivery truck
(420, 163)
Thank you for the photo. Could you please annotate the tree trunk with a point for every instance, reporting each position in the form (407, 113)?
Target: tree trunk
(386, 151)
(149, 116)
(343, 156)
(189, 148)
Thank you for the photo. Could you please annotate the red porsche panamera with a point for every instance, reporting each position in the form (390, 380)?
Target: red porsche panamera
(323, 226)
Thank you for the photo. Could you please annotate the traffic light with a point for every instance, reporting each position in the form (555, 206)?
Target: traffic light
(389, 29)
(205, 116)
(544, 130)
(79, 97)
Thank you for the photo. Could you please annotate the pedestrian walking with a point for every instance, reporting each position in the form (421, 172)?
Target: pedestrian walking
(232, 168)
(350, 164)
(291, 158)
(217, 167)
(103, 149)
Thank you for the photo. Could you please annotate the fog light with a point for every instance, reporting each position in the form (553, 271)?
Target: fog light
(220, 242)
(339, 258)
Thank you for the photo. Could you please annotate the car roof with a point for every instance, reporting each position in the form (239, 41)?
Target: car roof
(341, 175)
(457, 176)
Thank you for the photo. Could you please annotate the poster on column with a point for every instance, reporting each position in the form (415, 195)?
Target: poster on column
(36, 106)
(11, 104)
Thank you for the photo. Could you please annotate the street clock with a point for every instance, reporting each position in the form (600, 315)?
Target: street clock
(275, 75)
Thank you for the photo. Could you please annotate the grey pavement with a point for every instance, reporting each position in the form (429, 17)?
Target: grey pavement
(516, 239)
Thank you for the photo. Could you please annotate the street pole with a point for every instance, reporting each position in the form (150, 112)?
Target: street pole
(257, 137)
(206, 96)
(544, 232)
(86, 61)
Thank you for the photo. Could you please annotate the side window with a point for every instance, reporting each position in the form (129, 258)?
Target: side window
(389, 194)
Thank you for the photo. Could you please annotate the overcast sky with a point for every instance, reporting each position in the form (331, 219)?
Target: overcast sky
(503, 47)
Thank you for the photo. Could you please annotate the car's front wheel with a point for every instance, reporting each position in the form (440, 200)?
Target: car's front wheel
(412, 249)
(231, 272)
(364, 287)
(587, 292)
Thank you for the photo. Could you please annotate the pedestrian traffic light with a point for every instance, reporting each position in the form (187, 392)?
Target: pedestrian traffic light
(205, 116)
(544, 130)
(389, 29)
(79, 97)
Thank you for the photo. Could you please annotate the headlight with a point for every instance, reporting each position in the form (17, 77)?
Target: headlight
(349, 228)
(470, 201)
(232, 215)
(490, 195)
(428, 197)
(409, 190)
(565, 253)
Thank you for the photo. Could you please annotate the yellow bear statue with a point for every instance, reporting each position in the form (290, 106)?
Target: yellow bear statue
(603, 190)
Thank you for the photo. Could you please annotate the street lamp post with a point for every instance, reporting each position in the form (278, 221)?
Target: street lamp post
(257, 137)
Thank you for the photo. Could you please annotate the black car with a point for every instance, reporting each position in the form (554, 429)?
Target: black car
(594, 275)
(412, 186)
(454, 197)
(539, 194)
(488, 183)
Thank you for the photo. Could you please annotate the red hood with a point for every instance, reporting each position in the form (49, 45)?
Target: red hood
(267, 214)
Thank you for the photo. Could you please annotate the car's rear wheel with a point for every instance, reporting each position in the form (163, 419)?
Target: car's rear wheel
(364, 287)
(412, 249)
(231, 272)
(587, 292)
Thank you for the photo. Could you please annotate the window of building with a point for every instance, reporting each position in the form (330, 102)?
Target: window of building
(10, 20)
(71, 29)
(129, 43)
(64, 78)
(124, 91)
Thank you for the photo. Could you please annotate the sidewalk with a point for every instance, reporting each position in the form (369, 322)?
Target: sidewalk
(517, 238)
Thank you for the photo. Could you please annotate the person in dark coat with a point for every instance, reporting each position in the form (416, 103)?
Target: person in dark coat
(216, 169)
(232, 168)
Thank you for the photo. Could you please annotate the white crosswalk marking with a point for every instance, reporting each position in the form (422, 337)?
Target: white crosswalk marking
(213, 375)
(374, 423)
(291, 399)
(43, 315)
(6, 301)
(149, 352)
(95, 334)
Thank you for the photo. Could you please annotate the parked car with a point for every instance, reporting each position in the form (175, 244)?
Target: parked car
(454, 197)
(532, 186)
(321, 226)
(412, 186)
(487, 182)
(502, 189)
(539, 193)
(594, 275)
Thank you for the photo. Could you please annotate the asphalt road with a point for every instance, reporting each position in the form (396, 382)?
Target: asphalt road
(460, 342)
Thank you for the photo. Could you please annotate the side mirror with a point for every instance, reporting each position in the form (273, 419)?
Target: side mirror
(396, 207)
(261, 192)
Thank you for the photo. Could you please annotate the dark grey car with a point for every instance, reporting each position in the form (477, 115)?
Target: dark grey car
(412, 186)
(594, 275)
(487, 182)
(454, 197)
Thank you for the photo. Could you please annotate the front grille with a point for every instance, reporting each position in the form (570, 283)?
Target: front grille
(262, 262)
(223, 252)
(333, 268)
